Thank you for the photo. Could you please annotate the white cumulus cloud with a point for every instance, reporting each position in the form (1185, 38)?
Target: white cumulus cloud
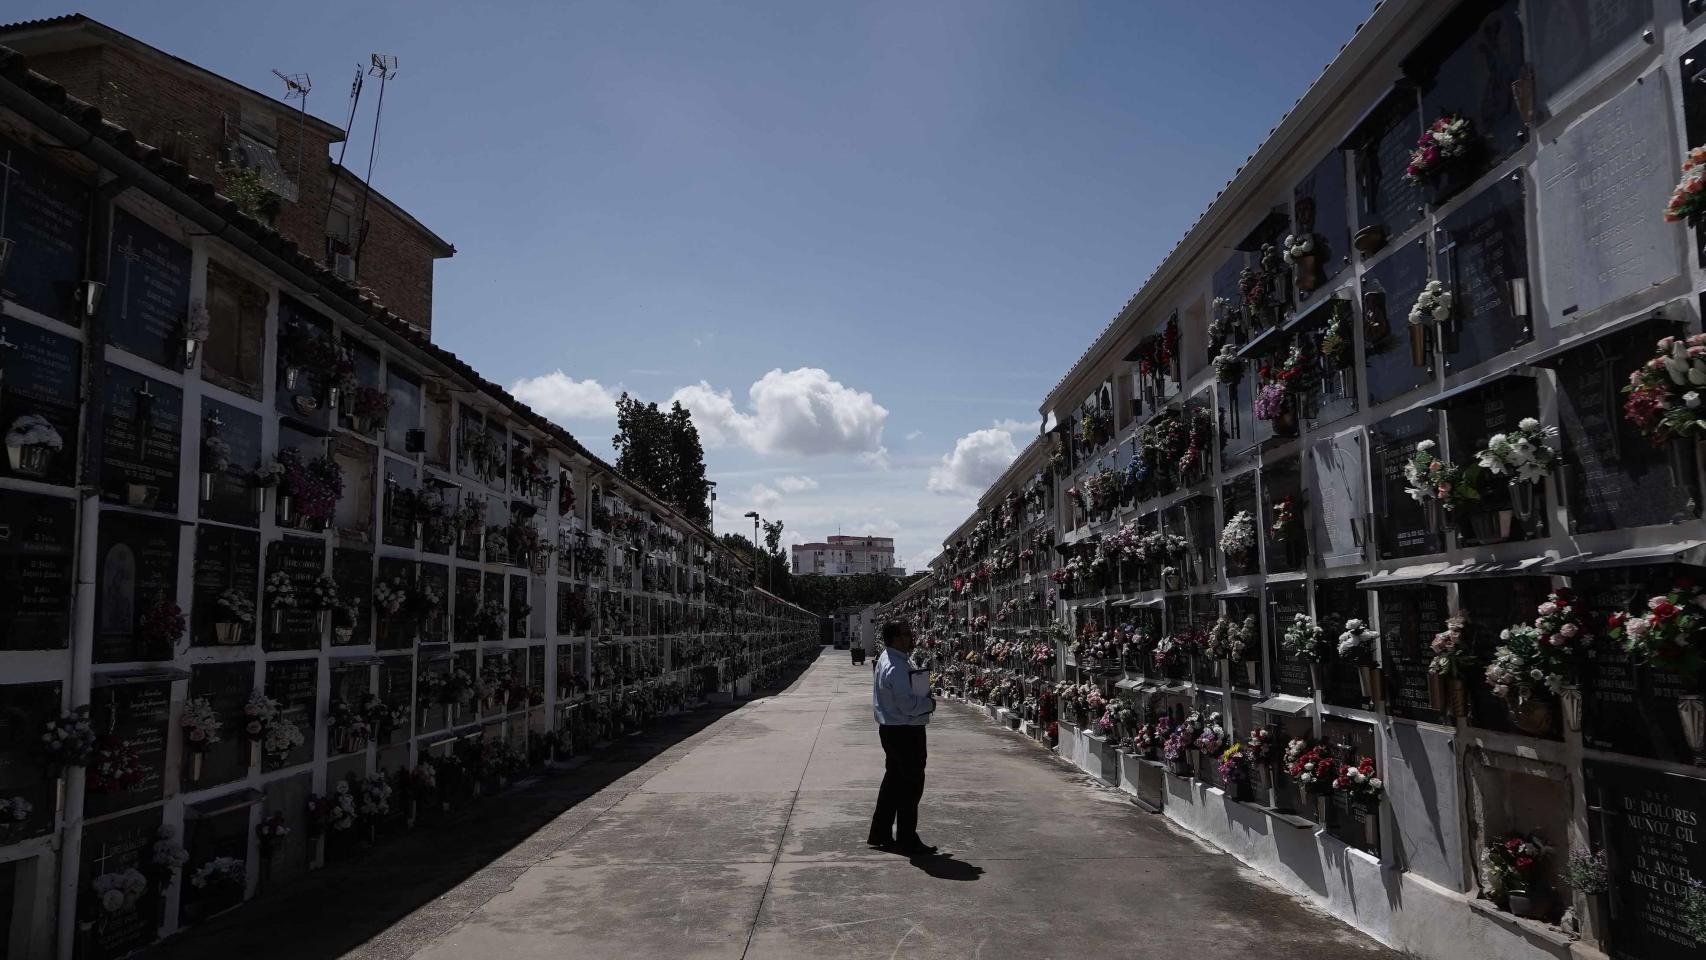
(561, 397)
(976, 462)
(803, 412)
(794, 484)
(763, 496)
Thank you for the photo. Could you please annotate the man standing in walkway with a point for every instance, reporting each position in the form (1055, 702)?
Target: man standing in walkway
(900, 698)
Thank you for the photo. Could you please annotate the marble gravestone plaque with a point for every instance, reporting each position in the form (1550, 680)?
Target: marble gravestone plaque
(223, 834)
(1284, 604)
(1481, 254)
(24, 709)
(225, 560)
(1604, 239)
(1575, 37)
(1489, 606)
(38, 535)
(405, 413)
(1648, 822)
(1615, 478)
(136, 579)
(148, 291)
(41, 375)
(1409, 619)
(1471, 419)
(45, 213)
(437, 577)
(1319, 203)
(141, 420)
(1340, 495)
(1389, 289)
(353, 571)
(295, 685)
(227, 687)
(136, 715)
(1400, 524)
(296, 627)
(230, 452)
(114, 846)
(1469, 66)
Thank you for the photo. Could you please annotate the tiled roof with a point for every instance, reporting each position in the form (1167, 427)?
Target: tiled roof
(14, 67)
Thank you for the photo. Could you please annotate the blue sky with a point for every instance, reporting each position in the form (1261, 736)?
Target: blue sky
(862, 240)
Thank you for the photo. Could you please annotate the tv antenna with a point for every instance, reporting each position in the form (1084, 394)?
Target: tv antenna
(296, 87)
(383, 66)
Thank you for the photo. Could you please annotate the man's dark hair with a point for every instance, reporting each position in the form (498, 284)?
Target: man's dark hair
(895, 629)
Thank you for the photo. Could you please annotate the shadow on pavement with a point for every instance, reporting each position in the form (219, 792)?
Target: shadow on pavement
(449, 870)
(943, 866)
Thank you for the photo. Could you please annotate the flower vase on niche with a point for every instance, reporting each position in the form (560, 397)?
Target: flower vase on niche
(1436, 690)
(1525, 500)
(1250, 670)
(1691, 710)
(1682, 461)
(1433, 514)
(1368, 678)
(1531, 715)
(1419, 344)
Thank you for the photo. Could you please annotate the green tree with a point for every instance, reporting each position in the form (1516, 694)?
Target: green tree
(661, 452)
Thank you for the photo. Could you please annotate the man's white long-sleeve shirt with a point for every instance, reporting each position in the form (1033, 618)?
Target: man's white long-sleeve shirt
(893, 697)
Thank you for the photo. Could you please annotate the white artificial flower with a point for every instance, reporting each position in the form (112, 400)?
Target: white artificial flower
(1527, 424)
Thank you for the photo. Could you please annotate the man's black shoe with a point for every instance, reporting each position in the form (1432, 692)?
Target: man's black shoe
(916, 848)
(882, 843)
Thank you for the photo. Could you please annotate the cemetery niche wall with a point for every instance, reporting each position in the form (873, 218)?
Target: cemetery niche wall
(321, 570)
(1448, 333)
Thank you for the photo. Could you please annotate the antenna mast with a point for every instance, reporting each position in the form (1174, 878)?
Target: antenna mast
(383, 66)
(296, 87)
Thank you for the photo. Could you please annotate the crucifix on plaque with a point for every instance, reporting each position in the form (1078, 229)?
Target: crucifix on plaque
(127, 252)
(1609, 360)
(6, 171)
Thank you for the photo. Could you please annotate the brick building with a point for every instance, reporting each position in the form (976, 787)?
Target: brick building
(222, 131)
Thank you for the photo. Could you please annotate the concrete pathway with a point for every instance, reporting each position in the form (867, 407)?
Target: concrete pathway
(744, 839)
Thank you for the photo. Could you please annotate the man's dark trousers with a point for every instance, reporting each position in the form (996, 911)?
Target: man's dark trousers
(903, 783)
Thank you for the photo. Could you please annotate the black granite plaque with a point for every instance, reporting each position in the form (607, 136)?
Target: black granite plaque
(227, 687)
(114, 846)
(1400, 523)
(1481, 254)
(1615, 478)
(436, 576)
(1389, 290)
(402, 481)
(396, 688)
(518, 606)
(1289, 675)
(1469, 66)
(1647, 822)
(468, 583)
(38, 536)
(295, 684)
(298, 627)
(351, 683)
(225, 559)
(405, 415)
(1386, 200)
(1572, 36)
(1626, 708)
(46, 214)
(223, 834)
(495, 592)
(1238, 495)
(1409, 619)
(40, 375)
(148, 291)
(1337, 601)
(1489, 606)
(353, 571)
(137, 715)
(24, 709)
(469, 424)
(136, 581)
(1319, 205)
(1472, 418)
(499, 438)
(302, 398)
(1350, 741)
(230, 452)
(397, 631)
(141, 420)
